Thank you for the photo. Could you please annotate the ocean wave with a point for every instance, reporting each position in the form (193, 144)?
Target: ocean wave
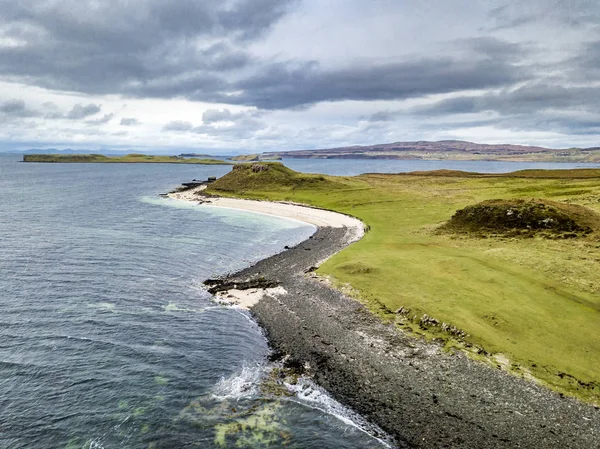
(309, 394)
(241, 385)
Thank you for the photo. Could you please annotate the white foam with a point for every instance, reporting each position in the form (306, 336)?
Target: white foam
(311, 395)
(94, 444)
(240, 385)
(174, 307)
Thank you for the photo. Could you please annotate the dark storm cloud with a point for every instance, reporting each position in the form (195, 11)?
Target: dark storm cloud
(479, 63)
(561, 100)
(115, 47)
(586, 66)
(541, 107)
(191, 49)
(287, 86)
(529, 99)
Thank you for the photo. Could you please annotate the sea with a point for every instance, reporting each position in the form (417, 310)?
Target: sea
(108, 338)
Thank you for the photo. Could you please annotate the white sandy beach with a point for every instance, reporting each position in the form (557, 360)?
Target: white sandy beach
(245, 299)
(317, 217)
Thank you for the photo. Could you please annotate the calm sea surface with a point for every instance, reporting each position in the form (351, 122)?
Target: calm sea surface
(351, 167)
(107, 338)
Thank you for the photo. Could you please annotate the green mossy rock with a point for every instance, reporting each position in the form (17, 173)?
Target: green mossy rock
(524, 217)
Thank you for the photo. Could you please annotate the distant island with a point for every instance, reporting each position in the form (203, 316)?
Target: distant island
(129, 158)
(444, 150)
(103, 151)
(256, 157)
(194, 155)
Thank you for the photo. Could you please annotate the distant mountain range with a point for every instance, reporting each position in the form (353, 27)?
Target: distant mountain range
(424, 150)
(447, 149)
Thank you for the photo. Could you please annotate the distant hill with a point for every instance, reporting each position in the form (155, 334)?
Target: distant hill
(255, 158)
(132, 158)
(419, 150)
(447, 149)
(72, 151)
(195, 155)
(107, 152)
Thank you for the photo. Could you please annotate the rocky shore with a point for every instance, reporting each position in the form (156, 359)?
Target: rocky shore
(422, 396)
(419, 394)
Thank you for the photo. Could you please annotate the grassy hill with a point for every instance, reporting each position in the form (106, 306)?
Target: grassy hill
(524, 218)
(255, 177)
(530, 305)
(129, 158)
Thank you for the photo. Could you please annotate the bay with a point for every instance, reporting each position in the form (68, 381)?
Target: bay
(107, 337)
(109, 340)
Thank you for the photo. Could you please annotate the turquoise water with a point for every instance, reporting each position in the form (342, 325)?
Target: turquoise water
(107, 338)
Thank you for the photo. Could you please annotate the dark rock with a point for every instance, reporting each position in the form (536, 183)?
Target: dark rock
(221, 285)
(385, 375)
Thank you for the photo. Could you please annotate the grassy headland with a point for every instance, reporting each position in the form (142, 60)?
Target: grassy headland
(129, 158)
(523, 301)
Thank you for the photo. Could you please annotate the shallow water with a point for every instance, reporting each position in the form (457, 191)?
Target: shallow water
(107, 337)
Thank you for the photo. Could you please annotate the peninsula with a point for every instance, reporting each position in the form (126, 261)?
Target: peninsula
(444, 332)
(129, 158)
(444, 150)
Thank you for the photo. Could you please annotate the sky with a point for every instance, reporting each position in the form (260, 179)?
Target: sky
(238, 76)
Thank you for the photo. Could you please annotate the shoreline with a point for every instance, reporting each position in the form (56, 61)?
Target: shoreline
(419, 394)
(311, 215)
(249, 296)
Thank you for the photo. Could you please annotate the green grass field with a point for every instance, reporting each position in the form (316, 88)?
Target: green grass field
(531, 305)
(129, 158)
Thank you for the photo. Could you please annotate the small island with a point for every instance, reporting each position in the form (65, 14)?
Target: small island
(127, 159)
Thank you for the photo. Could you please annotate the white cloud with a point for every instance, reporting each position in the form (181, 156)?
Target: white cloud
(299, 74)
